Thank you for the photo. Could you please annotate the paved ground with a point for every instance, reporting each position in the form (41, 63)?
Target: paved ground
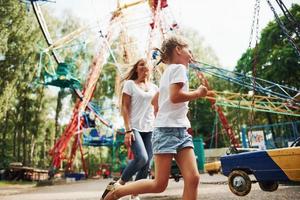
(210, 188)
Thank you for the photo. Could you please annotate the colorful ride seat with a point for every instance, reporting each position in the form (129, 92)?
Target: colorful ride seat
(62, 78)
(91, 137)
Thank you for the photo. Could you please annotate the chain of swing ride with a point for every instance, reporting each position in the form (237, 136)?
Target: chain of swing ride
(255, 24)
(290, 19)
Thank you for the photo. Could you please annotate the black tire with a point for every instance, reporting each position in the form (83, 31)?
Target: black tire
(239, 183)
(268, 186)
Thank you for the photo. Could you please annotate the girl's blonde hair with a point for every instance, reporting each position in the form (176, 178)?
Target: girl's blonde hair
(169, 45)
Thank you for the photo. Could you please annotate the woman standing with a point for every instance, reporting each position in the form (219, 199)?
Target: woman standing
(138, 115)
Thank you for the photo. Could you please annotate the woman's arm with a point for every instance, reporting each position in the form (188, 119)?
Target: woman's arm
(154, 102)
(126, 111)
(177, 95)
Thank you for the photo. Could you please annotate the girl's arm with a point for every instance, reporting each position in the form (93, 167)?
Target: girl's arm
(177, 95)
(154, 102)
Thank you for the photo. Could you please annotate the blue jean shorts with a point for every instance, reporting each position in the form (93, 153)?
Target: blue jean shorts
(170, 140)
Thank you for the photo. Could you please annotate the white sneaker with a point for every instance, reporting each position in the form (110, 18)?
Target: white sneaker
(134, 198)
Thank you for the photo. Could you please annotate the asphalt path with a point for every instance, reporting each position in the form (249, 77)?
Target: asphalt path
(210, 188)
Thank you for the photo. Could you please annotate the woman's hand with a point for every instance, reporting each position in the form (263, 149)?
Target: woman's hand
(129, 137)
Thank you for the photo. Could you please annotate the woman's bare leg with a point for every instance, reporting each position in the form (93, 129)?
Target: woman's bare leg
(186, 161)
(157, 185)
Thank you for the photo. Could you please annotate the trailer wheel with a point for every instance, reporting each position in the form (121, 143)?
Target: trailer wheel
(268, 186)
(239, 183)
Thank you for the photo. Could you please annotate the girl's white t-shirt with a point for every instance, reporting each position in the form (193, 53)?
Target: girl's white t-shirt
(172, 114)
(142, 111)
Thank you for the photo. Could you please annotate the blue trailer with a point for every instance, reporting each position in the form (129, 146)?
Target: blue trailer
(269, 167)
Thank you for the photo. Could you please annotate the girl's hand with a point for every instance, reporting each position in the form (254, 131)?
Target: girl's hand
(202, 91)
(211, 93)
(211, 96)
(129, 137)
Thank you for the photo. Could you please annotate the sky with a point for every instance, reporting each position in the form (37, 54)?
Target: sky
(224, 25)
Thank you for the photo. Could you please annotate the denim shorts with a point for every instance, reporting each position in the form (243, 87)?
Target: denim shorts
(170, 140)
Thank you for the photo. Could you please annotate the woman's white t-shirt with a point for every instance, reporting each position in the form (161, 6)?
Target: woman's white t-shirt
(142, 111)
(172, 114)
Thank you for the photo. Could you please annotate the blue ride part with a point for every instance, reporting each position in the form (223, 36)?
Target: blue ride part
(155, 54)
(62, 77)
(263, 86)
(258, 163)
(93, 138)
(88, 122)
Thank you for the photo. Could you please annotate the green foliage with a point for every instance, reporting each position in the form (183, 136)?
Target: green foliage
(20, 112)
(27, 128)
(274, 58)
(16, 183)
(106, 85)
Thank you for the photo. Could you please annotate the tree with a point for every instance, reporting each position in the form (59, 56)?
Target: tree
(274, 57)
(21, 99)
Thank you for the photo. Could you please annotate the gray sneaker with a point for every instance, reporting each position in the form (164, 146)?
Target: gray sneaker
(111, 186)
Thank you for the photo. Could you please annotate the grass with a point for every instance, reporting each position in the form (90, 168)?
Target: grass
(10, 183)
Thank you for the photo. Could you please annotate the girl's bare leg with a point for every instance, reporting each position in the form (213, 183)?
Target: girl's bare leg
(186, 161)
(157, 185)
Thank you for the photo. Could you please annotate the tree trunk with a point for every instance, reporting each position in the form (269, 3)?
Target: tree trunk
(31, 154)
(19, 138)
(24, 131)
(14, 141)
(58, 110)
(4, 131)
(35, 129)
(18, 134)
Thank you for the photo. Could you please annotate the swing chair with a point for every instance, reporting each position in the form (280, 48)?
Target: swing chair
(92, 136)
(62, 77)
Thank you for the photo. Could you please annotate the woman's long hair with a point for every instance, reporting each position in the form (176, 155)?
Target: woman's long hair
(131, 75)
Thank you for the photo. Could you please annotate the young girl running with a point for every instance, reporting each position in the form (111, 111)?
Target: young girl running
(170, 138)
